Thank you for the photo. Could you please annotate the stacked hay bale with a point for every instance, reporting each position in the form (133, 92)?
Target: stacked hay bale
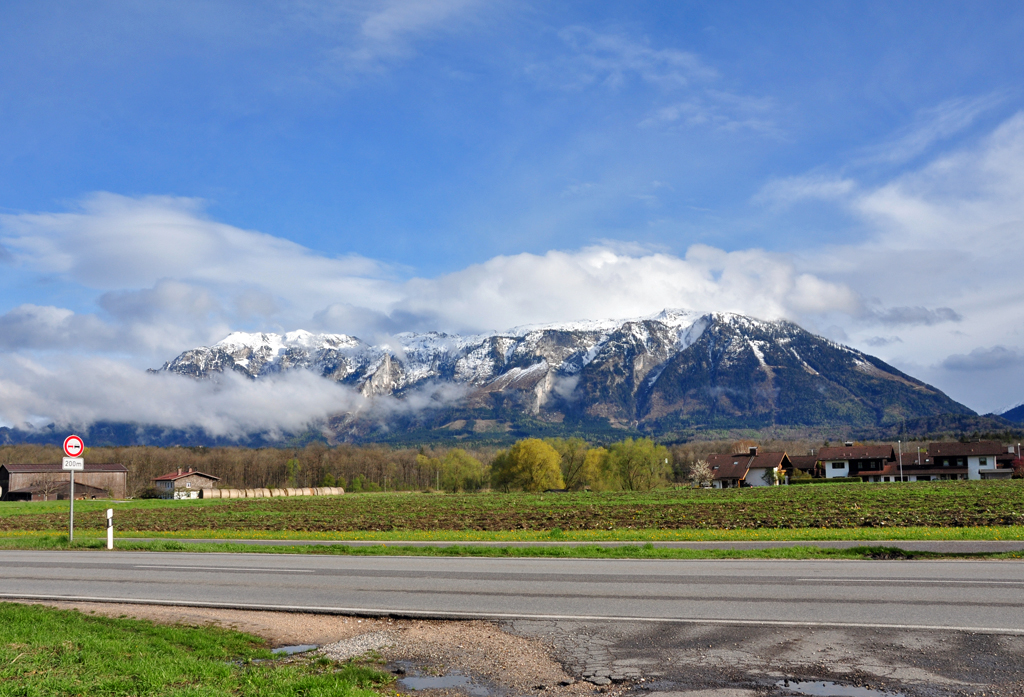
(269, 493)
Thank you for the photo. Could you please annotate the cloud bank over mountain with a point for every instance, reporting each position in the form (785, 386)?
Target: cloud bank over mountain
(931, 287)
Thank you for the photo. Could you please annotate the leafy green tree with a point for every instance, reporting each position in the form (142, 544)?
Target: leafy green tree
(460, 471)
(292, 469)
(637, 465)
(530, 465)
(430, 468)
(579, 467)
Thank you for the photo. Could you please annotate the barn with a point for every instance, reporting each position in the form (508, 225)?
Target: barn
(49, 482)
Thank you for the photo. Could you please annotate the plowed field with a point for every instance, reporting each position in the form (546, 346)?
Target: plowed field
(939, 504)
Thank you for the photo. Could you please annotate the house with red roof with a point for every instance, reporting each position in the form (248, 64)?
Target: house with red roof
(183, 484)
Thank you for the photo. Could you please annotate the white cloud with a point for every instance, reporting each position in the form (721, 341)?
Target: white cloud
(114, 242)
(937, 260)
(935, 268)
(47, 327)
(601, 282)
(80, 391)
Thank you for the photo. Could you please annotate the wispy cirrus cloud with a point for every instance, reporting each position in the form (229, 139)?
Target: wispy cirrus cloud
(379, 34)
(931, 126)
(613, 60)
(682, 80)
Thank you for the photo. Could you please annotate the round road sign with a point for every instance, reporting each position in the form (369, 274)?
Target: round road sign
(73, 446)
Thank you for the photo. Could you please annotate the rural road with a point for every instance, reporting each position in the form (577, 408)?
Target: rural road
(938, 546)
(980, 596)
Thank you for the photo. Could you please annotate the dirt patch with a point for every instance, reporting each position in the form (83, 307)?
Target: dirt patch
(497, 663)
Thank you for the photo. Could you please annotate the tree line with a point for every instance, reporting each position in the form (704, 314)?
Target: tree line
(531, 464)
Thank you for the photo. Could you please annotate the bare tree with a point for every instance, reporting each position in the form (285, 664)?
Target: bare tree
(48, 484)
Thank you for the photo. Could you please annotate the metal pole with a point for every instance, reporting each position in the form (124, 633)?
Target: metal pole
(899, 444)
(71, 519)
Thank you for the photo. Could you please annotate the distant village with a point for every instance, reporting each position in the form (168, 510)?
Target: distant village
(866, 463)
(751, 467)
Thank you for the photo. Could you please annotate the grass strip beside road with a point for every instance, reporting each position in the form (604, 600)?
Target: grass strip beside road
(45, 651)
(581, 551)
(978, 533)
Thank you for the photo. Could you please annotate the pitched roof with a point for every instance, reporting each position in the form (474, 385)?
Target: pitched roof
(736, 466)
(729, 466)
(955, 449)
(56, 467)
(804, 462)
(857, 452)
(173, 476)
(770, 460)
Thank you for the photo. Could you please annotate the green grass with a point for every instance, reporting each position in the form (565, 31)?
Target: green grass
(936, 510)
(44, 651)
(573, 551)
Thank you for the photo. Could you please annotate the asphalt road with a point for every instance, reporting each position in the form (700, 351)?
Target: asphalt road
(939, 546)
(981, 596)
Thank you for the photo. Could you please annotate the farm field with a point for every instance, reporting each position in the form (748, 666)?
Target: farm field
(937, 510)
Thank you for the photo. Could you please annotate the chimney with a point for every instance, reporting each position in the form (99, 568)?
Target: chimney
(179, 470)
(753, 450)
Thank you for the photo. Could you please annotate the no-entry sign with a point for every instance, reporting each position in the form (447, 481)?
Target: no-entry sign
(73, 446)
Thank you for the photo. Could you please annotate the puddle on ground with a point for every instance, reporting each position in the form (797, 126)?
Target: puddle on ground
(291, 650)
(445, 681)
(820, 688)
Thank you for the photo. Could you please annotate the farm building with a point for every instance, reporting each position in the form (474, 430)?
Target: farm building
(49, 482)
(183, 484)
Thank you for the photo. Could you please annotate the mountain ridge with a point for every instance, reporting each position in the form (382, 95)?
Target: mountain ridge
(677, 371)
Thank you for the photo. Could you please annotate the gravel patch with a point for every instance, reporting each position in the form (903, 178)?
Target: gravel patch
(497, 663)
(357, 645)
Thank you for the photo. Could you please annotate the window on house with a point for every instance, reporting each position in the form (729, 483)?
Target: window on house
(838, 465)
(982, 462)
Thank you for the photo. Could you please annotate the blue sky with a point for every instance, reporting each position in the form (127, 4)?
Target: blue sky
(171, 171)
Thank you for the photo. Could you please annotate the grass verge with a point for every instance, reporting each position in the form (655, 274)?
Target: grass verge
(44, 651)
(581, 551)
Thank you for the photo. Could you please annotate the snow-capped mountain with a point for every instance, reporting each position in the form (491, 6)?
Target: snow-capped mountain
(677, 370)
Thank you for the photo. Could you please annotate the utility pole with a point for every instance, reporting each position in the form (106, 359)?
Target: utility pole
(899, 444)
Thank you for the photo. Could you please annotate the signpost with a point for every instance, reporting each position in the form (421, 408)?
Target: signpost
(73, 448)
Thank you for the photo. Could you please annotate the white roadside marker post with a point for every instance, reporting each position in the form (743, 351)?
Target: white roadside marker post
(110, 528)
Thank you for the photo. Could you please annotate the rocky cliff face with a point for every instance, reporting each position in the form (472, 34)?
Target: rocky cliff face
(674, 370)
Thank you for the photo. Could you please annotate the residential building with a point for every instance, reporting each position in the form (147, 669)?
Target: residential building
(183, 485)
(980, 458)
(849, 460)
(749, 469)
